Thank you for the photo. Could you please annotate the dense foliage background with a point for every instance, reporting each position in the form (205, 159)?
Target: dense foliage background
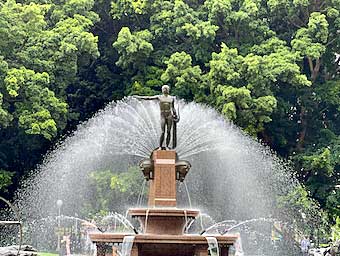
(269, 66)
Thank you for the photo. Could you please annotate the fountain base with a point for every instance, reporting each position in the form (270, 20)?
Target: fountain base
(163, 224)
(162, 245)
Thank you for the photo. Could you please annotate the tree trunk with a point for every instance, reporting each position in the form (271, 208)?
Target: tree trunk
(315, 71)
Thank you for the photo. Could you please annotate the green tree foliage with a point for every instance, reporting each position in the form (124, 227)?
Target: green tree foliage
(38, 111)
(134, 49)
(336, 230)
(244, 86)
(300, 203)
(5, 179)
(272, 67)
(110, 187)
(320, 169)
(185, 78)
(43, 44)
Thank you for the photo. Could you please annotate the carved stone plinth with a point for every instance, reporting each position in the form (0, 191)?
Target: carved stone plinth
(162, 190)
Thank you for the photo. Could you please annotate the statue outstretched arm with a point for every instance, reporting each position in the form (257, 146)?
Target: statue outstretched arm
(156, 97)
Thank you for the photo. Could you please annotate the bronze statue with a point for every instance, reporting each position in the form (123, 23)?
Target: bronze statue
(169, 116)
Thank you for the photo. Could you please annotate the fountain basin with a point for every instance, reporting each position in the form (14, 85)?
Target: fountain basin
(162, 239)
(161, 221)
(165, 245)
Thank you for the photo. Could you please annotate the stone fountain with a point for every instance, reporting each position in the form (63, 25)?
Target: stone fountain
(232, 176)
(163, 223)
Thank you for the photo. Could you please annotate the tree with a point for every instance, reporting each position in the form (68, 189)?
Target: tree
(183, 76)
(272, 67)
(43, 44)
(134, 49)
(245, 86)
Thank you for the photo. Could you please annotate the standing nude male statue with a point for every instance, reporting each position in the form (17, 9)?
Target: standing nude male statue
(168, 115)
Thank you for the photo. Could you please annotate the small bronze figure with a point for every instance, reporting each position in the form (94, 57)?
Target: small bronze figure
(169, 116)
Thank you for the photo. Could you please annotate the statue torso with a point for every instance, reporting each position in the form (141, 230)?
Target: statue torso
(165, 103)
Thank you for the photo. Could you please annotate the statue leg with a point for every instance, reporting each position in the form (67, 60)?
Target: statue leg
(161, 139)
(168, 131)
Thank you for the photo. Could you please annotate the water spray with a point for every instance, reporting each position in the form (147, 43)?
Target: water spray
(18, 222)
(218, 224)
(245, 222)
(126, 223)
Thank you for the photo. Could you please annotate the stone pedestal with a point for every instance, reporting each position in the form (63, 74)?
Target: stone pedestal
(163, 224)
(162, 190)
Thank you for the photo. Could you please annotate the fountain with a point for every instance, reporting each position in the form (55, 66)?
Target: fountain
(164, 224)
(232, 177)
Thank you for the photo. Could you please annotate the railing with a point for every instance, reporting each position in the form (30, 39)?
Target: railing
(18, 222)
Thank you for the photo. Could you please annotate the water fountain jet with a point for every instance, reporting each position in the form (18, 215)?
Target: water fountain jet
(232, 175)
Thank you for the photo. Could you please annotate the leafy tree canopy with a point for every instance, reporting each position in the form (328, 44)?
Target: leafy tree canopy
(272, 67)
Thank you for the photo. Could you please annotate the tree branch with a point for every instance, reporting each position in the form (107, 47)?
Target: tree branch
(310, 63)
(316, 69)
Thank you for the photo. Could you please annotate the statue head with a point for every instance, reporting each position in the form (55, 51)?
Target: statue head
(165, 89)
